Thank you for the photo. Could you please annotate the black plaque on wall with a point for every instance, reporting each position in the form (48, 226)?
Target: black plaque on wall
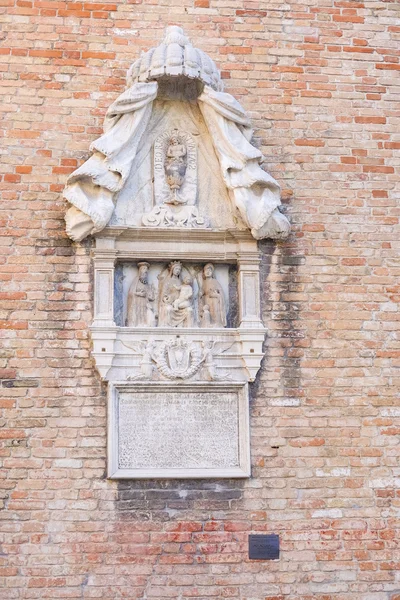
(264, 547)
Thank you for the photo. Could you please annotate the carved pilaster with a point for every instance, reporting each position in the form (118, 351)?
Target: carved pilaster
(104, 258)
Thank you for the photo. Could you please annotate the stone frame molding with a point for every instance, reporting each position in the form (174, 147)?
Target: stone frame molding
(242, 470)
(117, 244)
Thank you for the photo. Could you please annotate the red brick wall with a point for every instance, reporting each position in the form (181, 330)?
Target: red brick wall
(319, 80)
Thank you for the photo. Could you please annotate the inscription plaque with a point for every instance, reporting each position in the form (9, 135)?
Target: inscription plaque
(264, 547)
(177, 430)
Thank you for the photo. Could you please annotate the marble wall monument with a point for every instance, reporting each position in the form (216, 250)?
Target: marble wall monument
(176, 200)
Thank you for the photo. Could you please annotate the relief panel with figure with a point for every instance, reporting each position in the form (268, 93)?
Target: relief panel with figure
(174, 295)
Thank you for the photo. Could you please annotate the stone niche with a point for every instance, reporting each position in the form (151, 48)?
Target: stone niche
(176, 200)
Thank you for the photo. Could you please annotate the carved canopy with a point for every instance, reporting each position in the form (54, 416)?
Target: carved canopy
(93, 189)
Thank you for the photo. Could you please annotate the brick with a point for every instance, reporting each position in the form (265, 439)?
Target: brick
(316, 143)
(5, 373)
(18, 383)
(13, 325)
(100, 55)
(23, 169)
(251, 12)
(23, 134)
(46, 53)
(12, 178)
(367, 120)
(318, 80)
(102, 7)
(236, 50)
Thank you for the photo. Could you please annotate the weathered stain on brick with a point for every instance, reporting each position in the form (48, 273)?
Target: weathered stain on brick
(165, 500)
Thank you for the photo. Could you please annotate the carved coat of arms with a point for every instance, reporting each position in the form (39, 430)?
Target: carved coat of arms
(178, 358)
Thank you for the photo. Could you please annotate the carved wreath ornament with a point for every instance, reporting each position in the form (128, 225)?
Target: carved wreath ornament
(178, 358)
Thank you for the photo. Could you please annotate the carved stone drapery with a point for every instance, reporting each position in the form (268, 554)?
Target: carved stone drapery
(93, 188)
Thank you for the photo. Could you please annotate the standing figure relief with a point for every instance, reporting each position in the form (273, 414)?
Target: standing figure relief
(175, 182)
(186, 297)
(212, 301)
(175, 167)
(141, 295)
